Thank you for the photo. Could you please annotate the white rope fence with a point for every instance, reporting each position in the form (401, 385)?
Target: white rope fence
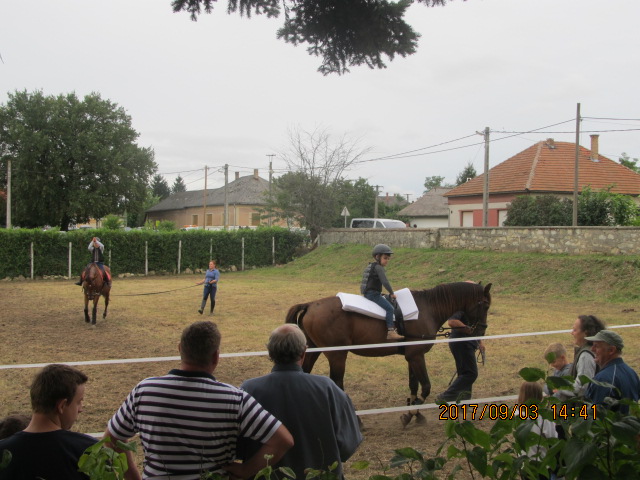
(324, 349)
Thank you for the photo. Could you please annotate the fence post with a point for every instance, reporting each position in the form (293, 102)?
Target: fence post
(146, 258)
(242, 264)
(31, 260)
(179, 254)
(109, 258)
(70, 250)
(273, 250)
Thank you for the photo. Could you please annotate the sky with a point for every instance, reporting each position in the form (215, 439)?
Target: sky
(225, 90)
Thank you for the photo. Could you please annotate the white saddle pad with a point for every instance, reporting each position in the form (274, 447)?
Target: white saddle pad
(359, 304)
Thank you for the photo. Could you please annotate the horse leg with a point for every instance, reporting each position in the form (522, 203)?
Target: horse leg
(106, 305)
(419, 369)
(337, 361)
(86, 308)
(309, 361)
(95, 308)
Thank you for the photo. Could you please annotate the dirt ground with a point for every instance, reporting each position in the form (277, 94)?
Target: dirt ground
(42, 322)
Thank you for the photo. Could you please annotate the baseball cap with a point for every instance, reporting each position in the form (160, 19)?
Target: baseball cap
(607, 336)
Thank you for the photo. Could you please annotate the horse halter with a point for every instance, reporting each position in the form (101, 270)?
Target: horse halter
(482, 305)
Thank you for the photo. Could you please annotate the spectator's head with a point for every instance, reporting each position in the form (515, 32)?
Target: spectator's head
(13, 424)
(58, 390)
(287, 344)
(556, 355)
(586, 326)
(606, 345)
(530, 391)
(200, 344)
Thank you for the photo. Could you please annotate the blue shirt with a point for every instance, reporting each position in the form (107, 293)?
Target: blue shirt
(212, 275)
(621, 376)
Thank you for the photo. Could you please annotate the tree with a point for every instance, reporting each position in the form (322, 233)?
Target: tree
(467, 173)
(72, 159)
(433, 182)
(178, 185)
(630, 163)
(159, 187)
(308, 193)
(343, 33)
(601, 208)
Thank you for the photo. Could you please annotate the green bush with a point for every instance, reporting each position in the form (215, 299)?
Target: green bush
(125, 251)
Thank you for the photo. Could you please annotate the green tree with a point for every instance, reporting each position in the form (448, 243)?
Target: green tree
(178, 185)
(629, 162)
(72, 159)
(358, 196)
(159, 187)
(601, 208)
(433, 182)
(343, 33)
(467, 173)
(112, 222)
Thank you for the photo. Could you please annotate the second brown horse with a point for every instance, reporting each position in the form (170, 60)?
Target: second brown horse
(325, 324)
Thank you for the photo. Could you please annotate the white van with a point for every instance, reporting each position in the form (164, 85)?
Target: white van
(376, 223)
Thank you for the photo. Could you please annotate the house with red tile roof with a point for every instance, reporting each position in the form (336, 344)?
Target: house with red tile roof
(547, 167)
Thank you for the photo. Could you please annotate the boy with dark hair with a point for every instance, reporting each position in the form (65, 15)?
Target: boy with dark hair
(46, 448)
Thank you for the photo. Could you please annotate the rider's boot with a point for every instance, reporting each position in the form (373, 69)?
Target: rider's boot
(79, 282)
(393, 335)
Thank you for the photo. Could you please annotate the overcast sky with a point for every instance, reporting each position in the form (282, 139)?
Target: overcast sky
(224, 90)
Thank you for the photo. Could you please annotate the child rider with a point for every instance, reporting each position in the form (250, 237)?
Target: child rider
(373, 279)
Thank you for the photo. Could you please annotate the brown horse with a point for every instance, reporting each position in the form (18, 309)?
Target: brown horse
(325, 324)
(93, 286)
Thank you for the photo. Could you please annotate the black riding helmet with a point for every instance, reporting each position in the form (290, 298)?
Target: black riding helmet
(381, 249)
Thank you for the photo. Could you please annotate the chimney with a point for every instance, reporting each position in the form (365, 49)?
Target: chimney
(255, 173)
(551, 143)
(594, 148)
(237, 175)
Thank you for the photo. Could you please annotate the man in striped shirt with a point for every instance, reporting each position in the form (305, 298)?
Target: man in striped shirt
(190, 424)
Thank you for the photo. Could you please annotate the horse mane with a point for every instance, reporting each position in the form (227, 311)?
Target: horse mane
(444, 299)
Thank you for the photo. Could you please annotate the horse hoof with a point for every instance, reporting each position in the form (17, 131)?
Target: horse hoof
(405, 418)
(420, 419)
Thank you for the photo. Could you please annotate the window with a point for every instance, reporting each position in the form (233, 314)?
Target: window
(194, 219)
(209, 219)
(255, 219)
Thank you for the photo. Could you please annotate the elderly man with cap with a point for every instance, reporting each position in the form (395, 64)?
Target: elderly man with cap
(607, 347)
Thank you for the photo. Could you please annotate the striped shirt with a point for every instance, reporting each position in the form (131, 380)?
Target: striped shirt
(189, 423)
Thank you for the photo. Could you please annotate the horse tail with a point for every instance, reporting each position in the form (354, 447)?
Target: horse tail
(295, 314)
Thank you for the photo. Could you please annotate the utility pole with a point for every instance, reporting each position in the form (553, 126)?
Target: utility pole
(485, 189)
(226, 199)
(8, 193)
(375, 205)
(407, 195)
(204, 200)
(575, 174)
(270, 155)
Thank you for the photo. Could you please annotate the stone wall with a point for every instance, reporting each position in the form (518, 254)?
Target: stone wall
(567, 240)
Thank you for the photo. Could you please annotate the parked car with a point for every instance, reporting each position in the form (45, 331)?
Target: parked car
(376, 223)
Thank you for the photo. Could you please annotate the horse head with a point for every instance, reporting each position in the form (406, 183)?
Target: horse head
(478, 308)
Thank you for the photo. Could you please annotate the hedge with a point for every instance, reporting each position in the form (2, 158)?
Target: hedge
(51, 249)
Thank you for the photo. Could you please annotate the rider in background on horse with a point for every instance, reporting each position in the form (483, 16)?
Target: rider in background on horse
(210, 287)
(97, 250)
(373, 279)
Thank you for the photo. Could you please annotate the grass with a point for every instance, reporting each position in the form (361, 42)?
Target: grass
(43, 322)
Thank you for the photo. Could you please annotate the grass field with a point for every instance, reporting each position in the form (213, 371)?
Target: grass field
(42, 322)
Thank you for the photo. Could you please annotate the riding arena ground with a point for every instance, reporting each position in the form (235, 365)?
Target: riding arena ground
(43, 322)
